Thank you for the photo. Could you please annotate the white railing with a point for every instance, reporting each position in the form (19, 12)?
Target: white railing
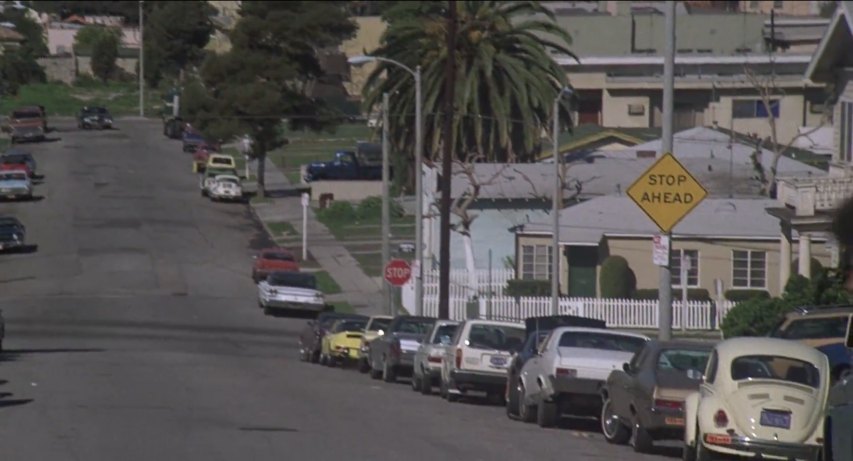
(807, 195)
(459, 284)
(618, 313)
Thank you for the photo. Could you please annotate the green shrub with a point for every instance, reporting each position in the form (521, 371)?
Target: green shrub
(370, 209)
(754, 317)
(519, 287)
(693, 294)
(816, 267)
(745, 295)
(617, 280)
(338, 211)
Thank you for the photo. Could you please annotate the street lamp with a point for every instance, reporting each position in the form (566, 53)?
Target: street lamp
(555, 205)
(419, 147)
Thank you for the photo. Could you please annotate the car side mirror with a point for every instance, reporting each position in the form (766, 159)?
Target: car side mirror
(626, 367)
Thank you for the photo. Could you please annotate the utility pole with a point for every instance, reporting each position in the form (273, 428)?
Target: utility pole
(386, 206)
(446, 163)
(419, 196)
(141, 62)
(555, 211)
(665, 286)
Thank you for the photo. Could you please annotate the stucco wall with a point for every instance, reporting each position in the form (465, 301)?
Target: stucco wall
(366, 40)
(59, 68)
(791, 115)
(614, 109)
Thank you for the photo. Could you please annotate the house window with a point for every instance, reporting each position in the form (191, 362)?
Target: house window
(753, 108)
(692, 273)
(536, 262)
(845, 145)
(749, 269)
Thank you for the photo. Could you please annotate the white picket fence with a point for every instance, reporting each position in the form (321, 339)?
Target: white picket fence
(618, 313)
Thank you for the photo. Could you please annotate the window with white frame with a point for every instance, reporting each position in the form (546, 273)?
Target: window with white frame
(845, 144)
(536, 262)
(692, 271)
(749, 269)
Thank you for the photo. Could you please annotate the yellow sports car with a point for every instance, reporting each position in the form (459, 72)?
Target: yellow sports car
(376, 326)
(341, 343)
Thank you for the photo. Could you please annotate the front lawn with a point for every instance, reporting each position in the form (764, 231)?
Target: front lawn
(306, 146)
(58, 99)
(326, 283)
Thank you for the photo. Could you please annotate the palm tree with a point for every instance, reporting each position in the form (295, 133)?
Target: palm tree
(507, 76)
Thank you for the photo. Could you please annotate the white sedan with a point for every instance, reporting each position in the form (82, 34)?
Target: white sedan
(225, 187)
(290, 290)
(759, 396)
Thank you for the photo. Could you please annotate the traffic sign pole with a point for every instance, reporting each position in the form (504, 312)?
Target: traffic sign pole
(665, 285)
(386, 208)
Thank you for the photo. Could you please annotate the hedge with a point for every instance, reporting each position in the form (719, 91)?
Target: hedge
(745, 295)
(693, 294)
(617, 280)
(526, 287)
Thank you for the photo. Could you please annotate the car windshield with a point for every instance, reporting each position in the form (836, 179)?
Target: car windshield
(415, 326)
(25, 115)
(278, 256)
(13, 177)
(230, 181)
(444, 330)
(816, 328)
(606, 341)
(293, 279)
(221, 161)
(776, 368)
(497, 337)
(379, 324)
(683, 359)
(351, 325)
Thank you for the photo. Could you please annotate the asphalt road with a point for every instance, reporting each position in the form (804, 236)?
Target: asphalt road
(133, 333)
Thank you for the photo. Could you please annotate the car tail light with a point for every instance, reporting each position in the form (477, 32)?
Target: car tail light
(721, 419)
(669, 404)
(432, 359)
(395, 349)
(566, 372)
(458, 357)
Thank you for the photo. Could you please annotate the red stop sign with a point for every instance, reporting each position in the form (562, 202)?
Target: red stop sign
(397, 272)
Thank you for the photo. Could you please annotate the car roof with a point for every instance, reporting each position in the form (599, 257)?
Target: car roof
(7, 172)
(9, 220)
(737, 347)
(561, 330)
(495, 323)
(28, 109)
(226, 176)
(275, 250)
(679, 344)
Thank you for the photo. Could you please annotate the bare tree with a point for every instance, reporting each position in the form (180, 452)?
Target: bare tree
(770, 93)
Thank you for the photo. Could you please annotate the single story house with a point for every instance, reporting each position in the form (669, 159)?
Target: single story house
(730, 240)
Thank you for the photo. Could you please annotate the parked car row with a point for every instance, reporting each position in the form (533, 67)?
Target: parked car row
(742, 397)
(217, 172)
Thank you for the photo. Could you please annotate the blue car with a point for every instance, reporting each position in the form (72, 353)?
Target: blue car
(192, 140)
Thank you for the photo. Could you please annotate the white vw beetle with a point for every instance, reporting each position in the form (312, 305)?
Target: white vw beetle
(759, 396)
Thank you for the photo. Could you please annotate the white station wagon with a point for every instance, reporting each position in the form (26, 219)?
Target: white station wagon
(759, 396)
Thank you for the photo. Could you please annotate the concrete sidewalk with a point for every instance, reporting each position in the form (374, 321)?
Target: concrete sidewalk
(284, 204)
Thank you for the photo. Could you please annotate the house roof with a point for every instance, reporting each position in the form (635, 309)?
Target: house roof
(587, 222)
(10, 35)
(588, 135)
(834, 48)
(703, 151)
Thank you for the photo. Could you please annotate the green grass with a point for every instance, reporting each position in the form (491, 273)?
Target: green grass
(366, 229)
(343, 307)
(121, 98)
(371, 263)
(281, 228)
(326, 283)
(260, 200)
(306, 146)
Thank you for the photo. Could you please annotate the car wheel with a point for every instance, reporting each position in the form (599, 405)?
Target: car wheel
(302, 356)
(268, 311)
(375, 374)
(330, 362)
(389, 375)
(314, 356)
(363, 366)
(641, 441)
(415, 382)
(526, 413)
(697, 452)
(546, 414)
(840, 372)
(613, 429)
(426, 385)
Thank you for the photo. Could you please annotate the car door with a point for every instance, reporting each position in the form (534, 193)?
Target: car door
(629, 387)
(533, 368)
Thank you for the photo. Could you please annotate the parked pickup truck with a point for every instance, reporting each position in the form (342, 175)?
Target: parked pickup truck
(365, 163)
(569, 370)
(27, 123)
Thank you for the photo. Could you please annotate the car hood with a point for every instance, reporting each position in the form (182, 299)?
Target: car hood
(294, 291)
(13, 184)
(750, 398)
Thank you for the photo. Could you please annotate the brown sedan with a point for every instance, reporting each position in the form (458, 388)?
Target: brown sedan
(644, 401)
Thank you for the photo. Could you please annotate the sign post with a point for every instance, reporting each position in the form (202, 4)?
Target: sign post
(305, 200)
(682, 277)
(666, 192)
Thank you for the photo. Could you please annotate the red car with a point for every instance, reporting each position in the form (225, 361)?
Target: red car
(201, 154)
(272, 260)
(8, 165)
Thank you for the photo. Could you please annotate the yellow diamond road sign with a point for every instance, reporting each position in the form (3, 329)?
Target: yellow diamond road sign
(667, 192)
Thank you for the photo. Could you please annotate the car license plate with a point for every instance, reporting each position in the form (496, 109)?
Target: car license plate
(772, 418)
(674, 421)
(498, 361)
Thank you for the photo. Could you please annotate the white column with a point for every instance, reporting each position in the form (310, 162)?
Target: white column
(784, 259)
(805, 255)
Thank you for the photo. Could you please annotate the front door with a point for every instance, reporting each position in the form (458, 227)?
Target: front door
(582, 264)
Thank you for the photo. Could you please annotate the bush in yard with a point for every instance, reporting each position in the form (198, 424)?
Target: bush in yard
(338, 211)
(104, 56)
(816, 267)
(617, 280)
(745, 295)
(754, 317)
(526, 287)
(693, 294)
(371, 209)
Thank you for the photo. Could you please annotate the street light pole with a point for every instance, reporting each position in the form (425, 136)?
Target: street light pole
(419, 191)
(386, 208)
(419, 196)
(555, 205)
(141, 62)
